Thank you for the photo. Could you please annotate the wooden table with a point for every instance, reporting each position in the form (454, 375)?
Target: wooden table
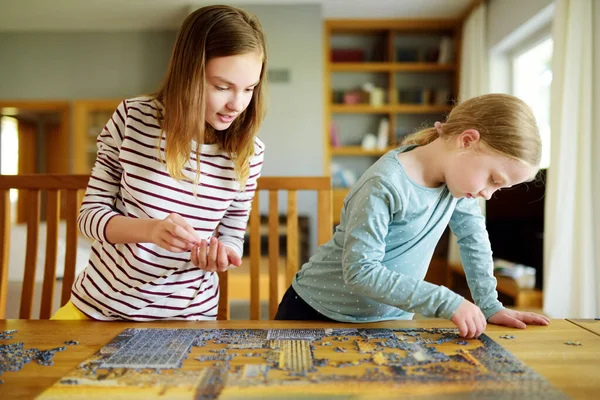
(572, 369)
(592, 325)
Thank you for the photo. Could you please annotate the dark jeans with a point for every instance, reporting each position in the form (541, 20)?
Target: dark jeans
(292, 307)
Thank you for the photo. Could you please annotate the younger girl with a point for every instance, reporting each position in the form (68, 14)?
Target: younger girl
(171, 168)
(373, 267)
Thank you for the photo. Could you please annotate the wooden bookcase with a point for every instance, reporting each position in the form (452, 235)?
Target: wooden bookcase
(509, 292)
(384, 44)
(89, 118)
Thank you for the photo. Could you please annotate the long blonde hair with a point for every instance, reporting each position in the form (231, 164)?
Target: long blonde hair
(209, 32)
(505, 124)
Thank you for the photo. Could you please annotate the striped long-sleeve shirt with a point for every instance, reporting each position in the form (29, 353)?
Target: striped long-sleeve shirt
(142, 281)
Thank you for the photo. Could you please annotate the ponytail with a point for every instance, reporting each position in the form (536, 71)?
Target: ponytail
(421, 138)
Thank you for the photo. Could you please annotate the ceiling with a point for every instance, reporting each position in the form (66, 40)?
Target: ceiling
(133, 15)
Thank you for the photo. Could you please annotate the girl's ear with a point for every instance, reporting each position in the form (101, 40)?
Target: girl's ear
(468, 138)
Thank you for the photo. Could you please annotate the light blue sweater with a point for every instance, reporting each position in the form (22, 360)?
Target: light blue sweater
(373, 267)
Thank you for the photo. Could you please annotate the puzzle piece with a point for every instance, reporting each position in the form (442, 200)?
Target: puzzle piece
(8, 334)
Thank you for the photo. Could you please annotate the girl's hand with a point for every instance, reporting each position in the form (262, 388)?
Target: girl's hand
(174, 234)
(214, 256)
(469, 319)
(517, 319)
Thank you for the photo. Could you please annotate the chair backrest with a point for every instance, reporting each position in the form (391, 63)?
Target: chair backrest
(31, 186)
(322, 186)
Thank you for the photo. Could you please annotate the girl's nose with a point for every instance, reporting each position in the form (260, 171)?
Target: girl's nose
(236, 104)
(487, 193)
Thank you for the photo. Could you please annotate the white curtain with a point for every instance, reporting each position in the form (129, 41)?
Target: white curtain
(473, 77)
(572, 217)
(474, 55)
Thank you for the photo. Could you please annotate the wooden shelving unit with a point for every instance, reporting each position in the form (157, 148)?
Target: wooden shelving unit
(389, 109)
(381, 41)
(510, 293)
(89, 117)
(391, 67)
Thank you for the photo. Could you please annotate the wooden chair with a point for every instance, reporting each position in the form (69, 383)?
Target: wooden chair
(31, 187)
(322, 185)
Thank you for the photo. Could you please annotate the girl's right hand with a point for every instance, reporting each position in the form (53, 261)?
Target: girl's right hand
(469, 319)
(174, 234)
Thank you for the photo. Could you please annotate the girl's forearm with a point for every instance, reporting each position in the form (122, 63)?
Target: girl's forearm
(122, 229)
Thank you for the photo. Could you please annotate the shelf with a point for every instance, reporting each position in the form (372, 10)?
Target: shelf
(375, 57)
(357, 151)
(340, 191)
(346, 25)
(507, 286)
(390, 67)
(89, 117)
(390, 108)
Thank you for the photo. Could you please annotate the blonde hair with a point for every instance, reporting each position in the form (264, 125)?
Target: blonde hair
(504, 122)
(209, 32)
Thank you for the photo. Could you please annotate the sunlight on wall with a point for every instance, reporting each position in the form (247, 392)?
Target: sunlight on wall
(9, 146)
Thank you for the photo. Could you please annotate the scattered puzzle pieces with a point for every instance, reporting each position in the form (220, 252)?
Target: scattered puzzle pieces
(14, 356)
(571, 343)
(507, 337)
(7, 334)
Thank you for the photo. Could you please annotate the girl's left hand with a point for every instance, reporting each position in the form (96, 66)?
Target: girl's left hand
(214, 256)
(517, 319)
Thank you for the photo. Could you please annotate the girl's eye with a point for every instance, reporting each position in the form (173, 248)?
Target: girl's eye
(221, 89)
(494, 182)
(250, 90)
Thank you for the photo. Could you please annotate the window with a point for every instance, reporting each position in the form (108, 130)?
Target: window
(531, 78)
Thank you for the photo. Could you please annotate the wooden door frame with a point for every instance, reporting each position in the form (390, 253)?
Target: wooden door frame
(59, 146)
(61, 107)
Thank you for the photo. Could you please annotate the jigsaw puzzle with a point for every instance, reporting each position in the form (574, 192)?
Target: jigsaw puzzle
(301, 363)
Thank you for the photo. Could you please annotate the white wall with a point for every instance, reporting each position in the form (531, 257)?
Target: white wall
(506, 16)
(47, 65)
(293, 128)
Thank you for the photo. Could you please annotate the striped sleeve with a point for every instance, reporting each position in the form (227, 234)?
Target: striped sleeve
(234, 222)
(98, 205)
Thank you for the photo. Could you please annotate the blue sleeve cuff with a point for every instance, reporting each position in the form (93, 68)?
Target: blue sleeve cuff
(453, 305)
(488, 312)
